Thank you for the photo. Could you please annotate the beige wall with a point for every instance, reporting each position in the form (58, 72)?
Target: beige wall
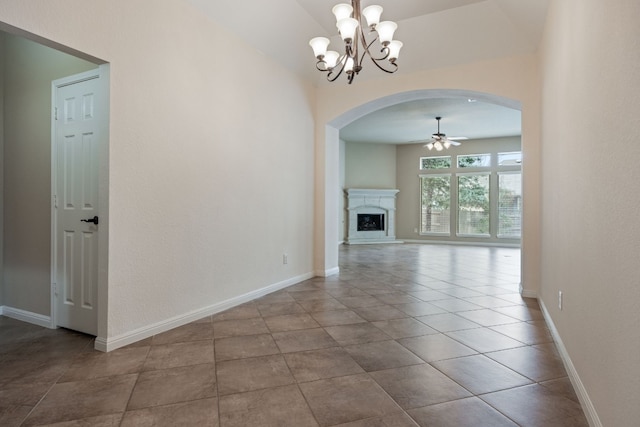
(28, 72)
(191, 140)
(199, 187)
(2, 62)
(342, 200)
(370, 166)
(408, 170)
(591, 238)
(365, 166)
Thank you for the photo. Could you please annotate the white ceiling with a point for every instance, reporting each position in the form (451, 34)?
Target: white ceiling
(436, 33)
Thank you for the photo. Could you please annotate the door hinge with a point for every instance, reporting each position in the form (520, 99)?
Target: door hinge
(55, 288)
(55, 201)
(55, 113)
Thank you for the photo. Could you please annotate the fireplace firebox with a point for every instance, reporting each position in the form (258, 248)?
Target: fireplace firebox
(370, 222)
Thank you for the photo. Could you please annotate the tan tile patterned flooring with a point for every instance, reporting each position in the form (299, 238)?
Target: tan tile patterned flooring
(405, 335)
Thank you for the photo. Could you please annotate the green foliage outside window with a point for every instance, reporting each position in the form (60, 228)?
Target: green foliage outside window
(473, 204)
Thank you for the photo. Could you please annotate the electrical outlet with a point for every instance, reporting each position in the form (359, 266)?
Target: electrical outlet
(560, 300)
(285, 258)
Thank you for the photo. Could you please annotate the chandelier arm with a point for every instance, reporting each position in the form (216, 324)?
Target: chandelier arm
(343, 62)
(377, 64)
(323, 68)
(384, 50)
(333, 79)
(375, 60)
(395, 67)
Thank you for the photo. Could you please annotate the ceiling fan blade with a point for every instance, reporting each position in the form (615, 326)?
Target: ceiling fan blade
(458, 138)
(452, 142)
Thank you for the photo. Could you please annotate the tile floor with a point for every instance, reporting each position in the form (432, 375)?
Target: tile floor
(405, 335)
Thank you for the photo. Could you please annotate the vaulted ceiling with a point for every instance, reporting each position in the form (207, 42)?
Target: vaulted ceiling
(436, 33)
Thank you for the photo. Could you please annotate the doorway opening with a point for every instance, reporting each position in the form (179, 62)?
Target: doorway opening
(28, 65)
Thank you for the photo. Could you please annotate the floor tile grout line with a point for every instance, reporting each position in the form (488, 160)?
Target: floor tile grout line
(126, 406)
(376, 289)
(56, 381)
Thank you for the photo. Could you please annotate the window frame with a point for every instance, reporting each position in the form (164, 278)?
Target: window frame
(450, 157)
(434, 175)
(502, 173)
(465, 168)
(488, 174)
(494, 170)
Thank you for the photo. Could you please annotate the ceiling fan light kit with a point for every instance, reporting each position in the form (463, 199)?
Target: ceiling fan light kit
(439, 140)
(350, 22)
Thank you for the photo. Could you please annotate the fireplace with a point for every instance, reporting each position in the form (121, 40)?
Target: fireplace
(371, 216)
(370, 222)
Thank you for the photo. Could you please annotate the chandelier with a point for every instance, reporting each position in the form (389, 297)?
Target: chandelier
(349, 20)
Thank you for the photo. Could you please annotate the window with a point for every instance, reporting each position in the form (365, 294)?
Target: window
(442, 162)
(474, 161)
(509, 204)
(473, 204)
(510, 159)
(435, 193)
(479, 195)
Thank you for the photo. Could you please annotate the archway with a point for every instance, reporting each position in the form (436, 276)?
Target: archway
(332, 157)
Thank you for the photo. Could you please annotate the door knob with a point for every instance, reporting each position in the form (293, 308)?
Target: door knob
(93, 220)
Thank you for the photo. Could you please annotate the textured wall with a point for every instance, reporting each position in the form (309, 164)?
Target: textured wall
(2, 62)
(370, 166)
(591, 236)
(210, 158)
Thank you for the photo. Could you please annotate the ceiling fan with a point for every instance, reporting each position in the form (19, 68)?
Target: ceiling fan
(439, 140)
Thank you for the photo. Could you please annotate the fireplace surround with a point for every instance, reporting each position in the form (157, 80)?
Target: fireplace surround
(371, 216)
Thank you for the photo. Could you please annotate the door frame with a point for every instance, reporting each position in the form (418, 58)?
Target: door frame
(102, 73)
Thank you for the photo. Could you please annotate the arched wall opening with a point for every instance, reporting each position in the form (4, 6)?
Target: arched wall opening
(331, 158)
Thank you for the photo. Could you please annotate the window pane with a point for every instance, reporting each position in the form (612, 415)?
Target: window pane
(435, 217)
(443, 162)
(473, 204)
(474, 161)
(510, 159)
(509, 204)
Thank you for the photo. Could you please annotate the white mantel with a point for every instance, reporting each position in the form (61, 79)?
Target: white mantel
(371, 201)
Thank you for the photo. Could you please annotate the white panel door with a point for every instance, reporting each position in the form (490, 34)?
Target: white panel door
(76, 208)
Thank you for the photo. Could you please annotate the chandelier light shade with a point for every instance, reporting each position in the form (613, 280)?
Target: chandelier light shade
(372, 14)
(350, 21)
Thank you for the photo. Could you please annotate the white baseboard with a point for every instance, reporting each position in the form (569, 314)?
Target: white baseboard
(525, 293)
(578, 386)
(26, 316)
(374, 242)
(113, 343)
(463, 243)
(327, 273)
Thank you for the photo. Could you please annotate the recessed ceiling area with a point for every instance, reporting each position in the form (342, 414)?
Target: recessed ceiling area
(415, 121)
(397, 10)
(435, 33)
